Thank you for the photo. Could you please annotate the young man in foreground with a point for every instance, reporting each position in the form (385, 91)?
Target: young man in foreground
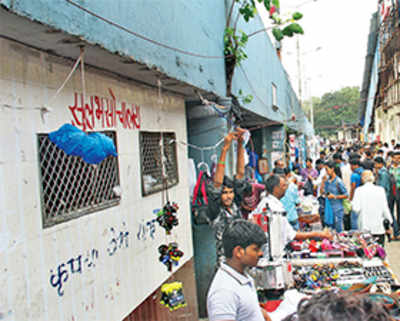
(232, 295)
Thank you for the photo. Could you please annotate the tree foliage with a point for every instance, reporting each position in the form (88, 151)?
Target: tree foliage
(334, 109)
(235, 40)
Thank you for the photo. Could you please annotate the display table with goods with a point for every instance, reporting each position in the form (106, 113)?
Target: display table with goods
(351, 261)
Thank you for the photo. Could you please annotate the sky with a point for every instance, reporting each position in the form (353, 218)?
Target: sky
(333, 47)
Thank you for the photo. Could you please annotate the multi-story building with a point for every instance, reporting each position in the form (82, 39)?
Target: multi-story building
(380, 104)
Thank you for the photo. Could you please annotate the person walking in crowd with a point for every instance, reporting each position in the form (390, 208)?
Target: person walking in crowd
(371, 205)
(337, 159)
(368, 162)
(308, 175)
(383, 179)
(322, 156)
(296, 167)
(232, 294)
(335, 191)
(395, 171)
(309, 172)
(224, 194)
(291, 200)
(355, 181)
(317, 185)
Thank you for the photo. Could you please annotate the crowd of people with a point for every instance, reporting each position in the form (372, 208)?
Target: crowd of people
(357, 186)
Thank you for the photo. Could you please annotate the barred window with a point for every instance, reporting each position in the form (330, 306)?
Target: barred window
(70, 187)
(150, 161)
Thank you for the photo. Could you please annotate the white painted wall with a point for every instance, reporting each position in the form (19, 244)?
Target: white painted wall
(387, 124)
(116, 284)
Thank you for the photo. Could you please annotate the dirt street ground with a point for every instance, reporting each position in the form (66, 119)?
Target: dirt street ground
(393, 252)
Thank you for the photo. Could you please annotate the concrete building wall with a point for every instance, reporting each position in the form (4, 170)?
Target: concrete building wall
(196, 27)
(387, 123)
(113, 285)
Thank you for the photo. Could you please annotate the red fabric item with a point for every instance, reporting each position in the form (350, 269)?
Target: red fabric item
(200, 184)
(271, 306)
(262, 221)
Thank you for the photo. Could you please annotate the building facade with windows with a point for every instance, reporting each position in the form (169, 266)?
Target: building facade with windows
(380, 97)
(80, 241)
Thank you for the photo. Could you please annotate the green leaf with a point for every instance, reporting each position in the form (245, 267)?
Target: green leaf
(267, 4)
(276, 3)
(244, 38)
(296, 28)
(277, 33)
(248, 99)
(297, 16)
(287, 31)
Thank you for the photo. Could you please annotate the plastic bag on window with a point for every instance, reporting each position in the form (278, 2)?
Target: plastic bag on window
(92, 147)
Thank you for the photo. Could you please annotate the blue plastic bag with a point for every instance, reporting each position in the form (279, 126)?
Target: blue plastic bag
(92, 147)
(328, 216)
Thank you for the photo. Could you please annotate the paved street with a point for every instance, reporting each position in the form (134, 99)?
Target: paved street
(393, 251)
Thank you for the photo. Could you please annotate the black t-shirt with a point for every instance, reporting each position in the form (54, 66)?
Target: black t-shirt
(368, 164)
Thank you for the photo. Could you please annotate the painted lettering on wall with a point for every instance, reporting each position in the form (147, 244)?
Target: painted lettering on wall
(119, 239)
(103, 112)
(147, 229)
(74, 265)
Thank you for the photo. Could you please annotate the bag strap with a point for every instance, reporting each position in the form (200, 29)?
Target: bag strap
(197, 186)
(203, 190)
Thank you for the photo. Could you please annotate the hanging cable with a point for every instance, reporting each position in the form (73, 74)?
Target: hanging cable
(141, 36)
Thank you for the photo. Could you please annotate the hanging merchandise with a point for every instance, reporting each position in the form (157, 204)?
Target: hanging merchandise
(200, 201)
(172, 296)
(166, 217)
(170, 255)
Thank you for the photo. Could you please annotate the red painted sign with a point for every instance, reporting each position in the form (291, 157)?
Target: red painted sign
(104, 112)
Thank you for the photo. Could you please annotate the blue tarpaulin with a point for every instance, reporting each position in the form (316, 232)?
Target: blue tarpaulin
(92, 147)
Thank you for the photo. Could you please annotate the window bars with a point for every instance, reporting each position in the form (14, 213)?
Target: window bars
(71, 188)
(151, 164)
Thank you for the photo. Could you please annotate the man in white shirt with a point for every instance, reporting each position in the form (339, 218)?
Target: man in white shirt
(232, 295)
(371, 205)
(276, 187)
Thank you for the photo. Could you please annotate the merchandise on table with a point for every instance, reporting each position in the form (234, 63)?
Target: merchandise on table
(356, 275)
(344, 245)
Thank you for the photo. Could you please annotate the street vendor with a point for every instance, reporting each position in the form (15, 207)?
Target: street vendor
(225, 194)
(276, 187)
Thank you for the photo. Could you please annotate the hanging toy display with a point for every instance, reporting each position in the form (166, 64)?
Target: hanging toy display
(166, 217)
(172, 296)
(170, 255)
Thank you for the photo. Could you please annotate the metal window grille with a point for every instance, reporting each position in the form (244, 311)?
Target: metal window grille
(70, 187)
(151, 165)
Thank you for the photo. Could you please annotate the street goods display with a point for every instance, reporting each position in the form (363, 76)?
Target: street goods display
(172, 296)
(170, 255)
(344, 245)
(354, 275)
(166, 217)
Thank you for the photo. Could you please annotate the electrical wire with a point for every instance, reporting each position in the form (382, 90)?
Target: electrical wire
(114, 24)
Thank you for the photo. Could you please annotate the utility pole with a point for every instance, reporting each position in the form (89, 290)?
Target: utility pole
(299, 68)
